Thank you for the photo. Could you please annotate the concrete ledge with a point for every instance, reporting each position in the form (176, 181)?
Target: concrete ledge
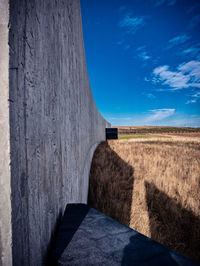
(88, 237)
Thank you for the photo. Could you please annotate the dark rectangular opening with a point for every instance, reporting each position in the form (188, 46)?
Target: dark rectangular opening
(111, 133)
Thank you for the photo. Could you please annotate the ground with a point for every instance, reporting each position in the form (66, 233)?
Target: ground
(151, 183)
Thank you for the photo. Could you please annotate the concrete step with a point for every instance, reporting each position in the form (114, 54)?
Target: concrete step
(88, 237)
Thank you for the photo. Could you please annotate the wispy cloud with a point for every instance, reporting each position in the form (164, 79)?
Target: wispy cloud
(187, 75)
(177, 40)
(175, 80)
(144, 56)
(157, 117)
(194, 98)
(193, 51)
(146, 79)
(159, 114)
(194, 22)
(123, 45)
(167, 2)
(127, 46)
(132, 24)
(192, 70)
(142, 53)
(151, 117)
(140, 48)
(149, 95)
(120, 42)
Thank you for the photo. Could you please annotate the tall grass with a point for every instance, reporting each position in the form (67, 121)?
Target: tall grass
(153, 186)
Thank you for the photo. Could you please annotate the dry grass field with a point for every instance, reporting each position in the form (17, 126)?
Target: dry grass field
(152, 185)
(156, 129)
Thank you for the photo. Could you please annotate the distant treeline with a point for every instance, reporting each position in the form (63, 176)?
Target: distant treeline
(157, 130)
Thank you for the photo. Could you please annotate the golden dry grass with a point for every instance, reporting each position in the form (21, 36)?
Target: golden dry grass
(153, 186)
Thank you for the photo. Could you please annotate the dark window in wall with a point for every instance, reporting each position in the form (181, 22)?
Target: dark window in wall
(111, 133)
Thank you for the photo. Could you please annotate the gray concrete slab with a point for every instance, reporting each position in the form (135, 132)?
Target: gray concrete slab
(88, 237)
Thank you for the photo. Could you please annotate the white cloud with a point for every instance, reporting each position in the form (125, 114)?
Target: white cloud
(191, 101)
(132, 24)
(177, 40)
(197, 95)
(187, 75)
(142, 53)
(144, 56)
(173, 79)
(159, 114)
(192, 69)
(194, 98)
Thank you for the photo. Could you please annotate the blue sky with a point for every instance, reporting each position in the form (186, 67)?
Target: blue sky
(143, 60)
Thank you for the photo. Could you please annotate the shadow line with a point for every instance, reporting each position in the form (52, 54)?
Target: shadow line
(111, 184)
(171, 224)
(72, 218)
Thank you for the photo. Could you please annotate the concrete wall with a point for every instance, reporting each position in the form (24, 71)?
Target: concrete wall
(54, 123)
(5, 204)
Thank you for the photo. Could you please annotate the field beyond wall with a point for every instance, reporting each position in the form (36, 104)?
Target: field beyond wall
(152, 184)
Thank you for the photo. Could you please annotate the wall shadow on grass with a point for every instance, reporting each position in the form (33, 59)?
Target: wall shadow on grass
(111, 184)
(171, 224)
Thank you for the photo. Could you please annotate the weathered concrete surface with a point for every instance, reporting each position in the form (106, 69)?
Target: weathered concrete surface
(5, 206)
(54, 124)
(88, 237)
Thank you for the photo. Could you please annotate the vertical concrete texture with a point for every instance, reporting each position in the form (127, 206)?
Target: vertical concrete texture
(5, 204)
(53, 122)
